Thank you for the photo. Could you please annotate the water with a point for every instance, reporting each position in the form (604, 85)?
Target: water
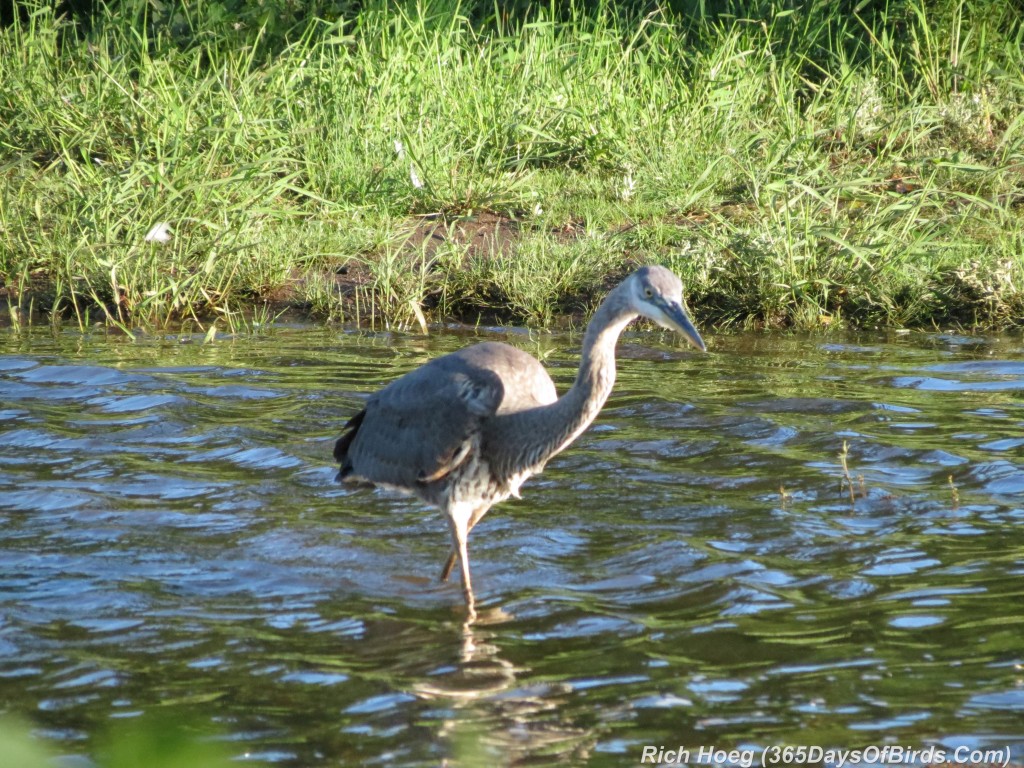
(693, 572)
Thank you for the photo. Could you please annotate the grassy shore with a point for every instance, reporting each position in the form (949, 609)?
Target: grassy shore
(798, 167)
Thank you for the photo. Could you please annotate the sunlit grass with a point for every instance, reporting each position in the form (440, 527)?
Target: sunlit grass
(800, 167)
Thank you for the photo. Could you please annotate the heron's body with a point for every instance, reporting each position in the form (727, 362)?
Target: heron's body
(465, 430)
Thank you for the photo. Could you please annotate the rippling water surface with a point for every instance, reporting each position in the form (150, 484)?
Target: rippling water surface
(696, 570)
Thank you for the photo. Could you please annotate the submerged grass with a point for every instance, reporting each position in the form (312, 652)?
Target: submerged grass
(797, 166)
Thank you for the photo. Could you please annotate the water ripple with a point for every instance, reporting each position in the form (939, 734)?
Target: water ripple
(784, 541)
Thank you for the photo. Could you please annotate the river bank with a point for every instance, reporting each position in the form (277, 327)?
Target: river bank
(798, 168)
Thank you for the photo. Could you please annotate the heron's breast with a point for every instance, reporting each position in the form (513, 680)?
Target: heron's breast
(474, 482)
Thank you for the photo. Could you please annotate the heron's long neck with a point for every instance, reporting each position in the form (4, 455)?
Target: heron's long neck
(572, 413)
(549, 429)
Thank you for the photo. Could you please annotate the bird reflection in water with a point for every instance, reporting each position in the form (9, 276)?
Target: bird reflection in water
(491, 715)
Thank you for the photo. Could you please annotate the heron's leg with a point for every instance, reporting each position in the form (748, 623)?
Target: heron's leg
(449, 564)
(478, 513)
(460, 532)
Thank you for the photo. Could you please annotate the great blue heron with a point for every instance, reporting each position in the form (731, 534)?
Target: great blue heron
(464, 431)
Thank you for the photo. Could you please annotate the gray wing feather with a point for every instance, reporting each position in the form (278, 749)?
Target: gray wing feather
(423, 425)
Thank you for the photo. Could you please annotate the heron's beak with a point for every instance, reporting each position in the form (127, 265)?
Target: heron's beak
(680, 322)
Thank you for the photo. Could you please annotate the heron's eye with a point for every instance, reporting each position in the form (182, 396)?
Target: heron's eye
(648, 292)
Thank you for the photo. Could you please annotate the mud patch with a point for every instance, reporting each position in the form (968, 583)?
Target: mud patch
(419, 240)
(485, 236)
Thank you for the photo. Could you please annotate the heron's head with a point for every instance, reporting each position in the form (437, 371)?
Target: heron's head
(657, 294)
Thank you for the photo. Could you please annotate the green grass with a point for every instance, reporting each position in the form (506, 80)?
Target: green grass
(157, 741)
(798, 168)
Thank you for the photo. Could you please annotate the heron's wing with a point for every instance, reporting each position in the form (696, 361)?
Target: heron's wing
(421, 426)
